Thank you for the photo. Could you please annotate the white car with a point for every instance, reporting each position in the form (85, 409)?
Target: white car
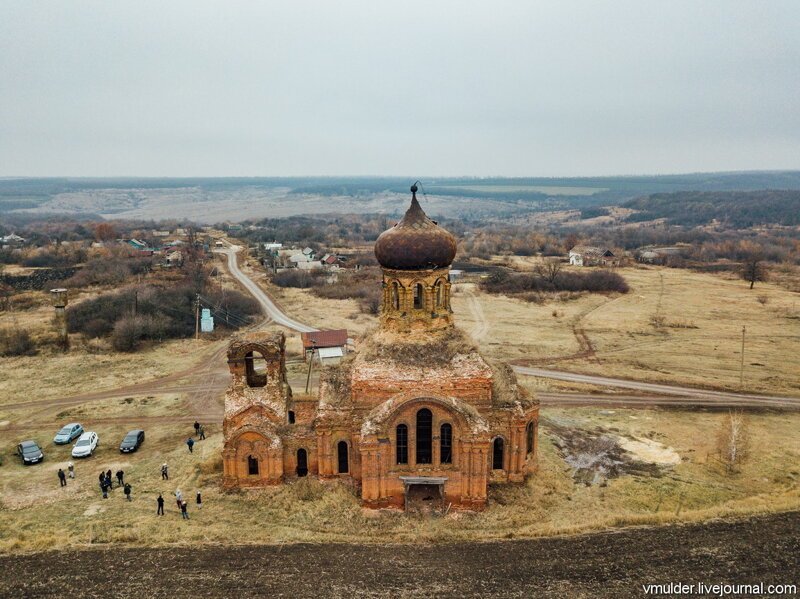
(86, 445)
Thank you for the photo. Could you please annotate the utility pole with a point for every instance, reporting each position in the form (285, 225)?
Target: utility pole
(311, 363)
(197, 318)
(741, 367)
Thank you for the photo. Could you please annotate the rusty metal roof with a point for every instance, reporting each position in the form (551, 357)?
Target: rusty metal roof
(335, 338)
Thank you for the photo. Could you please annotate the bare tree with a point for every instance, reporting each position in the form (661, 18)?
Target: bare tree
(732, 440)
(549, 269)
(754, 269)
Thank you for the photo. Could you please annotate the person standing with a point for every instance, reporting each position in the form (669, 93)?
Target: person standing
(164, 472)
(104, 487)
(184, 510)
(127, 491)
(178, 497)
(71, 469)
(199, 500)
(160, 502)
(108, 479)
(62, 477)
(190, 443)
(196, 427)
(102, 478)
(120, 478)
(202, 432)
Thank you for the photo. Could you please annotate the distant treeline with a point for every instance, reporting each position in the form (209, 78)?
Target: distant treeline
(738, 209)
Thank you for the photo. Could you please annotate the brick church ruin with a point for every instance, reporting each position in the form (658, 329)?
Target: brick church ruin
(415, 413)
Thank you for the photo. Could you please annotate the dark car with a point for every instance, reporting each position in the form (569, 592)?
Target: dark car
(30, 452)
(132, 441)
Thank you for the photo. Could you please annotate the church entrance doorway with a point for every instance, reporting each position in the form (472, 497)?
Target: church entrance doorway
(424, 494)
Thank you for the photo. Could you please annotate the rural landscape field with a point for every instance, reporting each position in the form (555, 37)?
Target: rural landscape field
(367, 300)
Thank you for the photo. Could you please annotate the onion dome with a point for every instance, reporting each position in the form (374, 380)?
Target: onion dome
(416, 242)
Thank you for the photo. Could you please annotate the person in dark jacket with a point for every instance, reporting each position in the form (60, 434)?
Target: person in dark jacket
(199, 500)
(102, 477)
(108, 478)
(196, 427)
(164, 472)
(62, 477)
(127, 491)
(184, 510)
(120, 478)
(190, 443)
(104, 488)
(160, 502)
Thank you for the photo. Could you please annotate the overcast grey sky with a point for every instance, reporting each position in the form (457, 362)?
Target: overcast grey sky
(194, 87)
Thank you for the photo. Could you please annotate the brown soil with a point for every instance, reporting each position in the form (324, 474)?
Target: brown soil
(615, 564)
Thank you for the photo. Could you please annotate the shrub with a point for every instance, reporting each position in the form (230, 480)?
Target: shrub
(530, 284)
(16, 342)
(161, 313)
(300, 279)
(130, 331)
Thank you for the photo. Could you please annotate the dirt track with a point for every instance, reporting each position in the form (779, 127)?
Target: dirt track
(614, 564)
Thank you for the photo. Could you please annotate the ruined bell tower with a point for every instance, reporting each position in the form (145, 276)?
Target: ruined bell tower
(415, 257)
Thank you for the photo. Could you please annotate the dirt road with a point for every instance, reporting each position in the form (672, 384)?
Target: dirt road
(707, 395)
(269, 307)
(613, 564)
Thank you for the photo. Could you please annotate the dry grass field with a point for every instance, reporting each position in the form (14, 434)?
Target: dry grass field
(38, 514)
(674, 326)
(694, 340)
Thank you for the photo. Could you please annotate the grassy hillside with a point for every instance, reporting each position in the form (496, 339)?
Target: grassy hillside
(736, 209)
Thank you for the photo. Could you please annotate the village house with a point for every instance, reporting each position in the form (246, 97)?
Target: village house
(586, 255)
(326, 345)
(657, 255)
(12, 240)
(416, 416)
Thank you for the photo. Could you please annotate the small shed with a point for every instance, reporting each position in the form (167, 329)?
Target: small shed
(318, 340)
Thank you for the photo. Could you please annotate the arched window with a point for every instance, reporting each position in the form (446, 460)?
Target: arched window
(342, 454)
(446, 444)
(529, 438)
(291, 417)
(402, 444)
(252, 465)
(497, 454)
(255, 369)
(419, 296)
(395, 292)
(424, 436)
(302, 462)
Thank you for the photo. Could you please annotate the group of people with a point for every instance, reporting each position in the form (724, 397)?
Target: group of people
(201, 435)
(183, 505)
(107, 483)
(62, 476)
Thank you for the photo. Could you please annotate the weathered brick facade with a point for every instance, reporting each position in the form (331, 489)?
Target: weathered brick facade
(416, 408)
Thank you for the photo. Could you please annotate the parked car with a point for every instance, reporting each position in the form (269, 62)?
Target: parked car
(30, 452)
(86, 444)
(132, 441)
(71, 431)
